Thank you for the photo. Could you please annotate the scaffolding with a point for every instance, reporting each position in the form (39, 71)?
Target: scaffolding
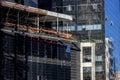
(32, 51)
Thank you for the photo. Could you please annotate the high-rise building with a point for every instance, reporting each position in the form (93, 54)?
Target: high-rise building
(109, 60)
(88, 27)
(30, 50)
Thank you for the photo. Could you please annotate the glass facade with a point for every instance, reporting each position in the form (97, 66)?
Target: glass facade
(29, 57)
(87, 26)
(26, 58)
(88, 18)
(36, 71)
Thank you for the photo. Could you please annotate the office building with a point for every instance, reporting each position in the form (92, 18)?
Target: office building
(32, 51)
(89, 28)
(109, 60)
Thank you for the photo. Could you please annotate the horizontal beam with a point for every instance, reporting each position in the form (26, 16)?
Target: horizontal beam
(50, 14)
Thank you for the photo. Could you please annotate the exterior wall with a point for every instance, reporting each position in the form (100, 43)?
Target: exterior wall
(88, 17)
(109, 60)
(117, 73)
(84, 18)
(88, 26)
(75, 64)
(88, 64)
(28, 58)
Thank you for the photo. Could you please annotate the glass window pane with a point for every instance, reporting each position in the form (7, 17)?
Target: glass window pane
(98, 58)
(86, 54)
(99, 68)
(86, 69)
(90, 27)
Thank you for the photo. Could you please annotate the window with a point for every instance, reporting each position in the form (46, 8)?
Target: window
(86, 50)
(86, 73)
(65, 28)
(98, 58)
(86, 54)
(69, 8)
(90, 27)
(99, 68)
(87, 58)
(86, 69)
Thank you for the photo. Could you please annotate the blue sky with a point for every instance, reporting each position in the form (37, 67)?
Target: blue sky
(112, 12)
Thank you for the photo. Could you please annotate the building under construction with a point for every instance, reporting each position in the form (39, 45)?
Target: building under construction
(89, 29)
(30, 50)
(40, 44)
